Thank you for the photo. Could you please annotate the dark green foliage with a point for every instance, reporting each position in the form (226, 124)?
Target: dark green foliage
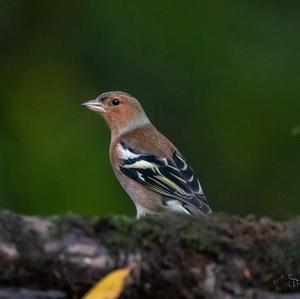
(221, 79)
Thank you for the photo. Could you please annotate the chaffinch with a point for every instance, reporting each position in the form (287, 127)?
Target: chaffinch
(149, 167)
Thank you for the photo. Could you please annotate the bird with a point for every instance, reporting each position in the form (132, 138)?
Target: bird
(149, 167)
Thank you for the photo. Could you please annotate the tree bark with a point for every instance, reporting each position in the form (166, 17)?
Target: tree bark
(171, 256)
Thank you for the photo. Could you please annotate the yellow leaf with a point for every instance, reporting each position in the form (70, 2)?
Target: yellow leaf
(109, 287)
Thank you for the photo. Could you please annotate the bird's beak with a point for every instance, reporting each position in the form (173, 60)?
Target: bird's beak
(94, 105)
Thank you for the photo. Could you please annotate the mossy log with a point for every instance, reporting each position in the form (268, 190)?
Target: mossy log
(171, 256)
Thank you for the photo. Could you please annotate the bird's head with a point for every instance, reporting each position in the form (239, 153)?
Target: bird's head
(120, 110)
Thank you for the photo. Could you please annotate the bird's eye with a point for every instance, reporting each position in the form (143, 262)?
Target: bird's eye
(115, 102)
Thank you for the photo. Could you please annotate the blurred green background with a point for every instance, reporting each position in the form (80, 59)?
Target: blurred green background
(220, 78)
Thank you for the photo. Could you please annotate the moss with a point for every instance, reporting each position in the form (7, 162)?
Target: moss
(215, 237)
(170, 232)
(175, 250)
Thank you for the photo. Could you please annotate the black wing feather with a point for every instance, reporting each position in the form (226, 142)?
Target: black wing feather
(172, 178)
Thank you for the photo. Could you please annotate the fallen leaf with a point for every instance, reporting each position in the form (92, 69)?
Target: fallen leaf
(109, 287)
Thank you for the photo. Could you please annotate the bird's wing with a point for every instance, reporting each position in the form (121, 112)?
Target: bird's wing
(172, 178)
